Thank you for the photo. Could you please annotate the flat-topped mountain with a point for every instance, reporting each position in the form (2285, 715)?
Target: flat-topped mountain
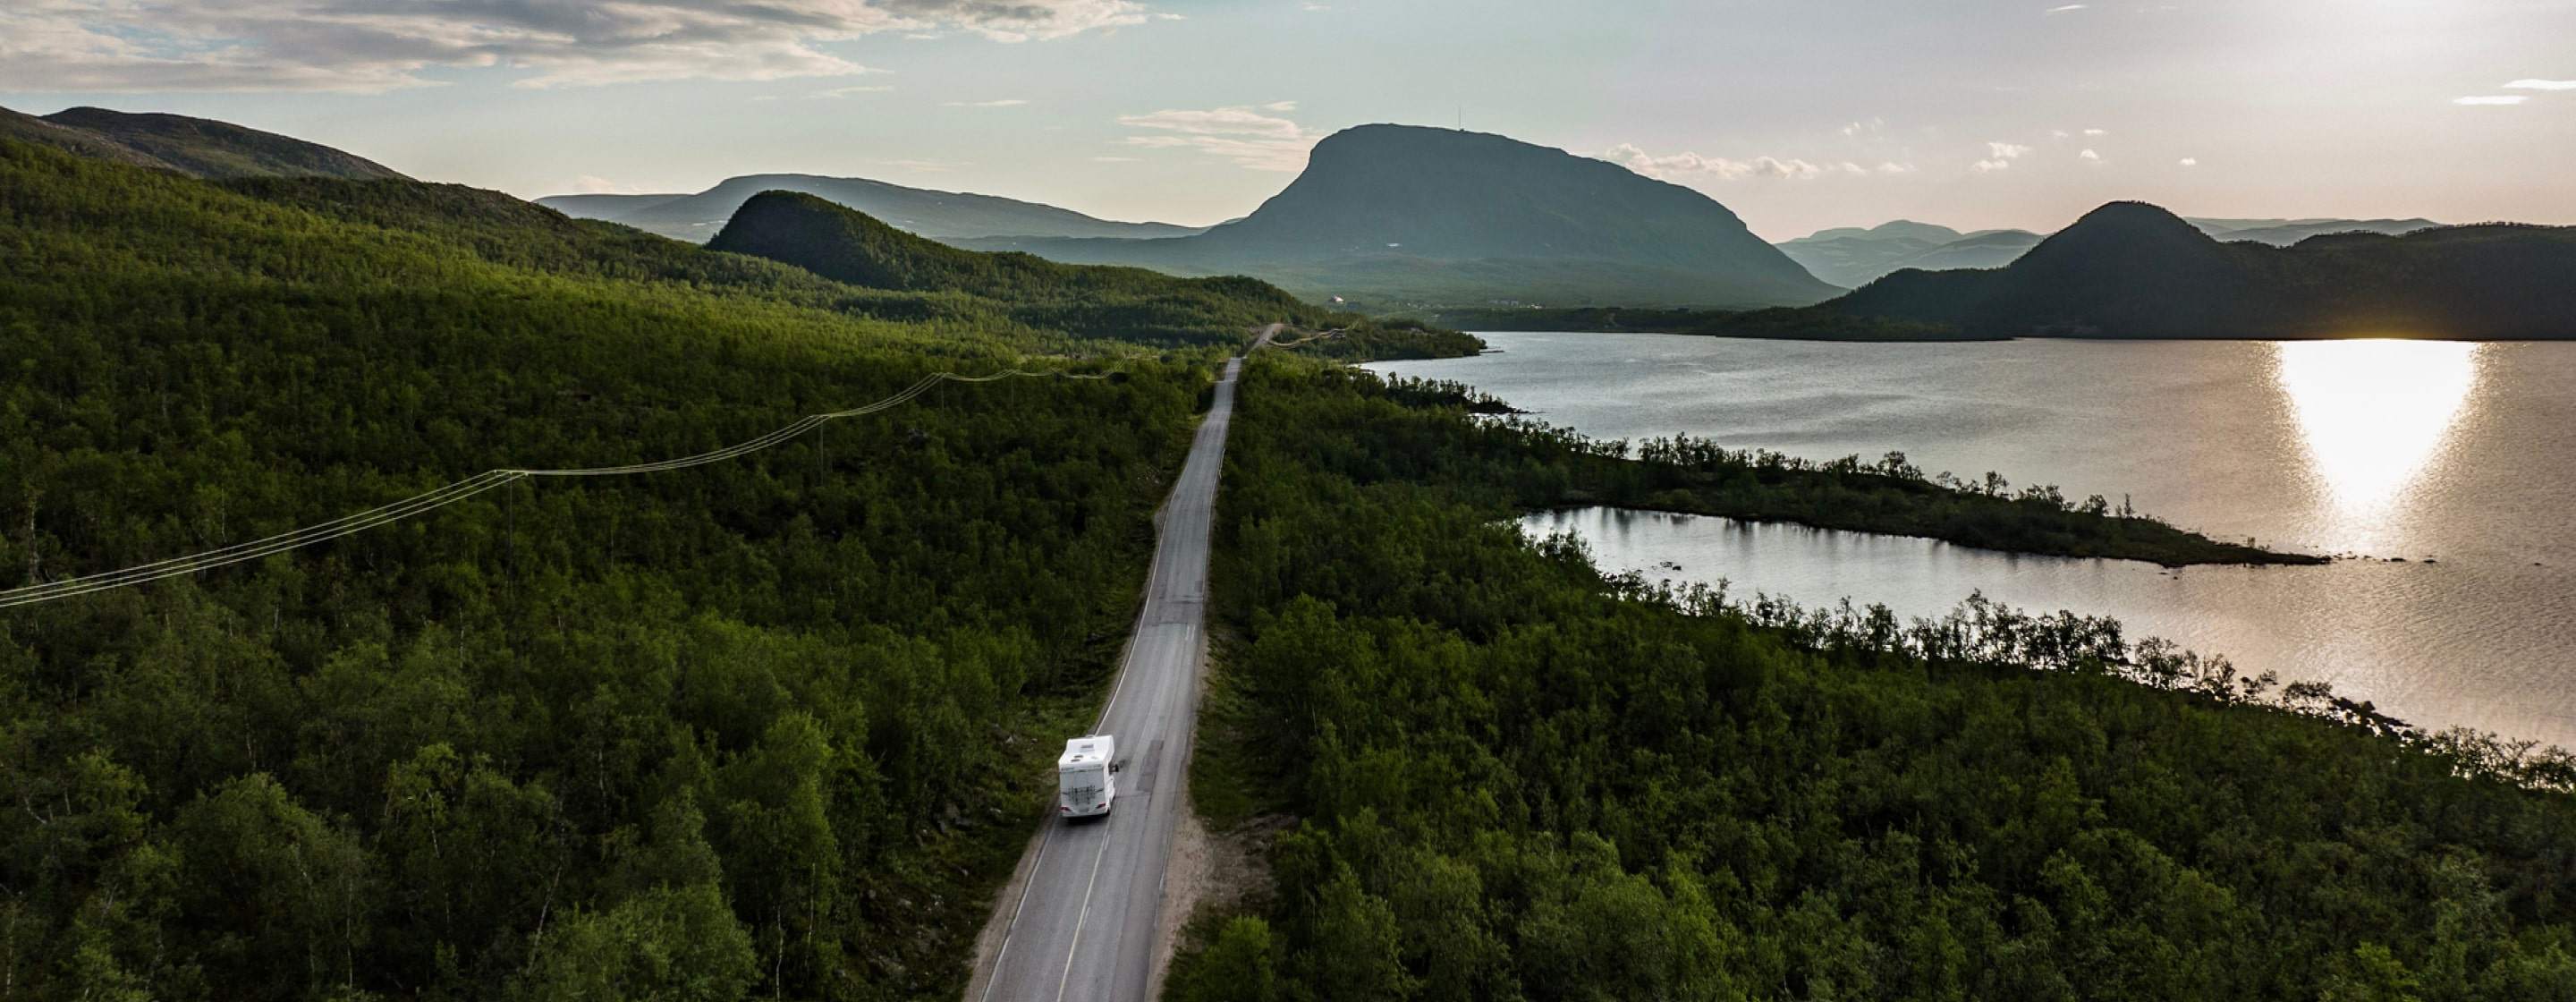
(2129, 269)
(2284, 232)
(939, 215)
(197, 147)
(1401, 214)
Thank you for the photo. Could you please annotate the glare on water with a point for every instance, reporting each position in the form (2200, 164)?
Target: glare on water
(2459, 458)
(2373, 414)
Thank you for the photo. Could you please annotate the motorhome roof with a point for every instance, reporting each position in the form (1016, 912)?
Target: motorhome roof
(1091, 750)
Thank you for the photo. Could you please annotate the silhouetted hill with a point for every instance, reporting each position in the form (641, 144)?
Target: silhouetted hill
(203, 147)
(1394, 215)
(845, 245)
(2134, 270)
(939, 215)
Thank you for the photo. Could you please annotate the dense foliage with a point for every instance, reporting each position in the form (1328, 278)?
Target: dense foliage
(1518, 780)
(844, 244)
(770, 727)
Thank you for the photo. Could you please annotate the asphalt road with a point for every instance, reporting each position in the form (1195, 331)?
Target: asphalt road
(1082, 923)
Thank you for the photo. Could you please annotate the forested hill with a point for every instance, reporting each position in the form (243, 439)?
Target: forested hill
(768, 728)
(939, 215)
(2133, 270)
(198, 147)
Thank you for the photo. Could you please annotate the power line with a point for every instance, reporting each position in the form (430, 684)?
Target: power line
(428, 501)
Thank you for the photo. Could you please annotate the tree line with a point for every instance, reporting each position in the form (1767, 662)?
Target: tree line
(1506, 776)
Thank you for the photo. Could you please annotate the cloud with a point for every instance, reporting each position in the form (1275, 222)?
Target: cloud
(2069, 8)
(379, 45)
(837, 93)
(2090, 157)
(2191, 161)
(1674, 165)
(2097, 132)
(2541, 85)
(2007, 151)
(2492, 99)
(1256, 138)
(1008, 102)
(588, 184)
(1117, 160)
(1990, 166)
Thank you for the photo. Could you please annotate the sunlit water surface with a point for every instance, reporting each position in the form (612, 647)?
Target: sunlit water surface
(2460, 458)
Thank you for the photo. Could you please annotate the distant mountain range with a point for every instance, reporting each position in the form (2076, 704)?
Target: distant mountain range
(939, 215)
(2284, 232)
(1401, 216)
(2133, 270)
(197, 147)
(1853, 256)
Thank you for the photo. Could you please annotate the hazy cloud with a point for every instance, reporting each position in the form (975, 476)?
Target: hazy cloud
(2090, 157)
(2492, 99)
(1008, 102)
(2097, 132)
(841, 92)
(2541, 85)
(2191, 161)
(377, 45)
(1256, 138)
(2068, 8)
(1675, 165)
(1999, 156)
(588, 184)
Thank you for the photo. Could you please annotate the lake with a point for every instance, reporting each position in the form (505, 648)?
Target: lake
(2459, 458)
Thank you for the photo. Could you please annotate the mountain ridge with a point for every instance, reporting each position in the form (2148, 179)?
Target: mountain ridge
(2133, 270)
(939, 215)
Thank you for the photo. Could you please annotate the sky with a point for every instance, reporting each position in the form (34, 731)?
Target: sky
(1797, 114)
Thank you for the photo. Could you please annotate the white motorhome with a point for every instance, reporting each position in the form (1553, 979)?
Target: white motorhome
(1086, 782)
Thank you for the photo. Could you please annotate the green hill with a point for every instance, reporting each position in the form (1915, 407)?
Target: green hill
(2133, 270)
(198, 147)
(1100, 301)
(766, 728)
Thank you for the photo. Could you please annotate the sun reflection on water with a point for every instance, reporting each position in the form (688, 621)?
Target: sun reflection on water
(2372, 412)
